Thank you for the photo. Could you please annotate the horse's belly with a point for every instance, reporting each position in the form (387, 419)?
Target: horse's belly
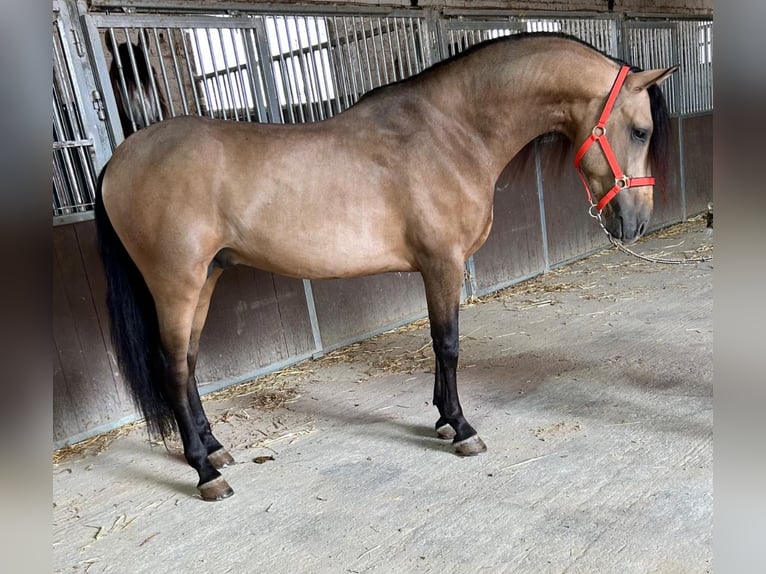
(318, 258)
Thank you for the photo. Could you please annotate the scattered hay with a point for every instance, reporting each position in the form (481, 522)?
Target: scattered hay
(94, 445)
(267, 392)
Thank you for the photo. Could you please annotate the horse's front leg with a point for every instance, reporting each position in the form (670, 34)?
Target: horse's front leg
(443, 283)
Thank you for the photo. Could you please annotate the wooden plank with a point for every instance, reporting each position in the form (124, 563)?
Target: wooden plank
(254, 320)
(86, 371)
(350, 308)
(571, 231)
(514, 248)
(94, 270)
(67, 360)
(668, 199)
(698, 162)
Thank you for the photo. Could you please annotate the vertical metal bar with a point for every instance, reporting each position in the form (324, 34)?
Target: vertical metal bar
(236, 39)
(375, 50)
(230, 93)
(184, 34)
(329, 91)
(214, 75)
(424, 42)
(163, 71)
(284, 71)
(336, 65)
(348, 59)
(315, 94)
(267, 76)
(399, 48)
(208, 100)
(286, 82)
(305, 82)
(390, 54)
(311, 307)
(541, 200)
(136, 75)
(470, 288)
(121, 74)
(176, 69)
(150, 71)
(254, 75)
(682, 167)
(361, 87)
(366, 54)
(67, 161)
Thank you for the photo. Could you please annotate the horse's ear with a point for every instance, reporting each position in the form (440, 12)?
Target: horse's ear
(641, 80)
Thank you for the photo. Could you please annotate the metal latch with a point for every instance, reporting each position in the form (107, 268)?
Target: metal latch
(98, 104)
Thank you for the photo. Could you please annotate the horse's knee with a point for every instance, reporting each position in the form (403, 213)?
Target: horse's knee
(446, 350)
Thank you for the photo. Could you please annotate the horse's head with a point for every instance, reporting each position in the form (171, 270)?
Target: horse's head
(623, 150)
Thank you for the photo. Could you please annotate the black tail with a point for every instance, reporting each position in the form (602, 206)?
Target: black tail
(134, 329)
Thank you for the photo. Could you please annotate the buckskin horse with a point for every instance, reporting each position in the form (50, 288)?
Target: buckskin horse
(402, 181)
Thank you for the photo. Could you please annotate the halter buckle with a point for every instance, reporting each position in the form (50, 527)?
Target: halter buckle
(622, 182)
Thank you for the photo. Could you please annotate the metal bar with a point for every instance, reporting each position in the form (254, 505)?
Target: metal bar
(216, 82)
(139, 84)
(185, 34)
(208, 100)
(357, 88)
(260, 41)
(367, 55)
(243, 85)
(150, 70)
(329, 93)
(375, 51)
(285, 72)
(163, 71)
(311, 307)
(226, 74)
(399, 49)
(541, 201)
(58, 126)
(172, 44)
(314, 93)
(295, 77)
(682, 167)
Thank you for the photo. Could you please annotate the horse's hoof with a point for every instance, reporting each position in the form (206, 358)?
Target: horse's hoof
(220, 458)
(216, 489)
(470, 446)
(445, 431)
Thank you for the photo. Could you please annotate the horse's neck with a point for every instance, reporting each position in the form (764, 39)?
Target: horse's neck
(511, 102)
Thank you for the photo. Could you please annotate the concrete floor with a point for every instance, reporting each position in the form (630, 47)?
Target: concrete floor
(591, 386)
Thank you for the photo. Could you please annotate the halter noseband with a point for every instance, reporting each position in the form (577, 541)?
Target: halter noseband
(621, 181)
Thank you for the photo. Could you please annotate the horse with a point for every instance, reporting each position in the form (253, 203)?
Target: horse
(131, 76)
(402, 181)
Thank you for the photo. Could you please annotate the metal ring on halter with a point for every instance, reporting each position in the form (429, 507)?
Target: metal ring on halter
(622, 182)
(599, 131)
(594, 212)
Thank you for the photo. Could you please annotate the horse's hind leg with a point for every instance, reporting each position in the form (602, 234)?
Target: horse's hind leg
(218, 456)
(176, 307)
(443, 282)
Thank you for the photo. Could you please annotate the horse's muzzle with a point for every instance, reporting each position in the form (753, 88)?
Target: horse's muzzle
(626, 229)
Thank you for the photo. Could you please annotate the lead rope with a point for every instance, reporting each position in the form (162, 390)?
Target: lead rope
(595, 214)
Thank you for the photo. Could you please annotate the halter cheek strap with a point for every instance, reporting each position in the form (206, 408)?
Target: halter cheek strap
(598, 134)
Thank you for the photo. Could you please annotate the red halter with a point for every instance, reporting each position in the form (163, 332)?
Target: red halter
(621, 181)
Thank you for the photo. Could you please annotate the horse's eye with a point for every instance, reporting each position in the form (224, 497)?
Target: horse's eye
(640, 134)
